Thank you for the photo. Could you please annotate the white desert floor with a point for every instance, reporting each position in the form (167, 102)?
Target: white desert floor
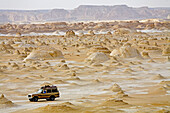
(92, 86)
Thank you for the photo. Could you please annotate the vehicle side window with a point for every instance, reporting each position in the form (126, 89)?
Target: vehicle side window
(48, 90)
(45, 91)
(54, 90)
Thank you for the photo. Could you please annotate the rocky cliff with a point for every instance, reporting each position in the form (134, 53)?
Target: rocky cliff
(84, 13)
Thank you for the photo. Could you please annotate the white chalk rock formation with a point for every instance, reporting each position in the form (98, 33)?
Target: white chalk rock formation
(126, 51)
(64, 67)
(116, 88)
(97, 57)
(70, 33)
(157, 77)
(98, 48)
(166, 51)
(122, 31)
(56, 33)
(45, 53)
(18, 34)
(4, 102)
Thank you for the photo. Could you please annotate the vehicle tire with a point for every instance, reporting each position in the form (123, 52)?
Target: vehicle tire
(52, 98)
(31, 100)
(35, 99)
(48, 99)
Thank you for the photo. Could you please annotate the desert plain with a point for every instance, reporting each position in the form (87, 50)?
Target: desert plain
(98, 67)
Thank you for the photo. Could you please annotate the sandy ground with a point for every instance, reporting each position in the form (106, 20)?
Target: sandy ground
(130, 85)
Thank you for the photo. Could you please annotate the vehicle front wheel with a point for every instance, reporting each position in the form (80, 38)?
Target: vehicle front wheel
(52, 98)
(35, 99)
(31, 100)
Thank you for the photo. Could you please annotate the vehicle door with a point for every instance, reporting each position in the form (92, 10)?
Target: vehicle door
(55, 92)
(44, 94)
(49, 93)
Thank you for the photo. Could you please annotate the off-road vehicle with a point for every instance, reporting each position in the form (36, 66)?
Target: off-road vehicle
(47, 92)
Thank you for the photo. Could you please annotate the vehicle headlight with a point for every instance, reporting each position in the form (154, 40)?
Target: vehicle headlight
(29, 95)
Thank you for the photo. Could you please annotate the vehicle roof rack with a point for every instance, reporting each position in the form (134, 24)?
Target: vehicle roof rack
(48, 86)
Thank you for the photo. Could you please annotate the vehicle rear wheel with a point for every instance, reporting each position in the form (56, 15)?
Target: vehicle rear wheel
(52, 98)
(35, 99)
(48, 99)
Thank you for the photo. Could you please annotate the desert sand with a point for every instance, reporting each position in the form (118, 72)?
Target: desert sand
(119, 71)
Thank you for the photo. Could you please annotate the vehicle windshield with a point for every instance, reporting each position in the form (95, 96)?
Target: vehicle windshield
(39, 91)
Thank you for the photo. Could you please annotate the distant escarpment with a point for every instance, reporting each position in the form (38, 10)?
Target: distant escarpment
(83, 13)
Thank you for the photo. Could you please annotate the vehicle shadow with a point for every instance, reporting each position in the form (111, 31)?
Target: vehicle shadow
(56, 100)
(44, 100)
